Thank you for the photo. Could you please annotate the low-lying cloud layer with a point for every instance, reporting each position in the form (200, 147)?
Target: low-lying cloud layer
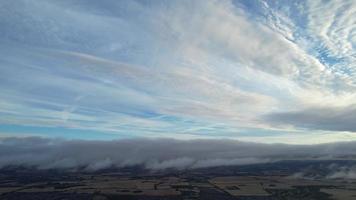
(329, 171)
(343, 173)
(155, 154)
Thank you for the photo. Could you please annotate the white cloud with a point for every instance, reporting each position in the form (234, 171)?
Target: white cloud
(177, 67)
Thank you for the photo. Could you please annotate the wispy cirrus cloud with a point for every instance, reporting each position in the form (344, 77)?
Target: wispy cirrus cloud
(179, 68)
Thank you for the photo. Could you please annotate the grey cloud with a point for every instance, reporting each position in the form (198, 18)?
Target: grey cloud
(326, 118)
(155, 154)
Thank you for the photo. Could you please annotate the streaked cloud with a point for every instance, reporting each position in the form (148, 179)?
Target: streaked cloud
(324, 118)
(249, 70)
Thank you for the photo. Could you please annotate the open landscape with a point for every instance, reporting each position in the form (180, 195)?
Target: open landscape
(177, 100)
(277, 181)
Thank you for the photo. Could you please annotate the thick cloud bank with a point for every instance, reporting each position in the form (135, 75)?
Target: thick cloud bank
(155, 154)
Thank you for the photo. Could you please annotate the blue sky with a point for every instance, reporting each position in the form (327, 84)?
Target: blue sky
(262, 71)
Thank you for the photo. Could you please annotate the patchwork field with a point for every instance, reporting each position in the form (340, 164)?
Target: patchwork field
(243, 183)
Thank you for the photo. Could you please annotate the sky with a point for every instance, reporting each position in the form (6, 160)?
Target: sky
(256, 71)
